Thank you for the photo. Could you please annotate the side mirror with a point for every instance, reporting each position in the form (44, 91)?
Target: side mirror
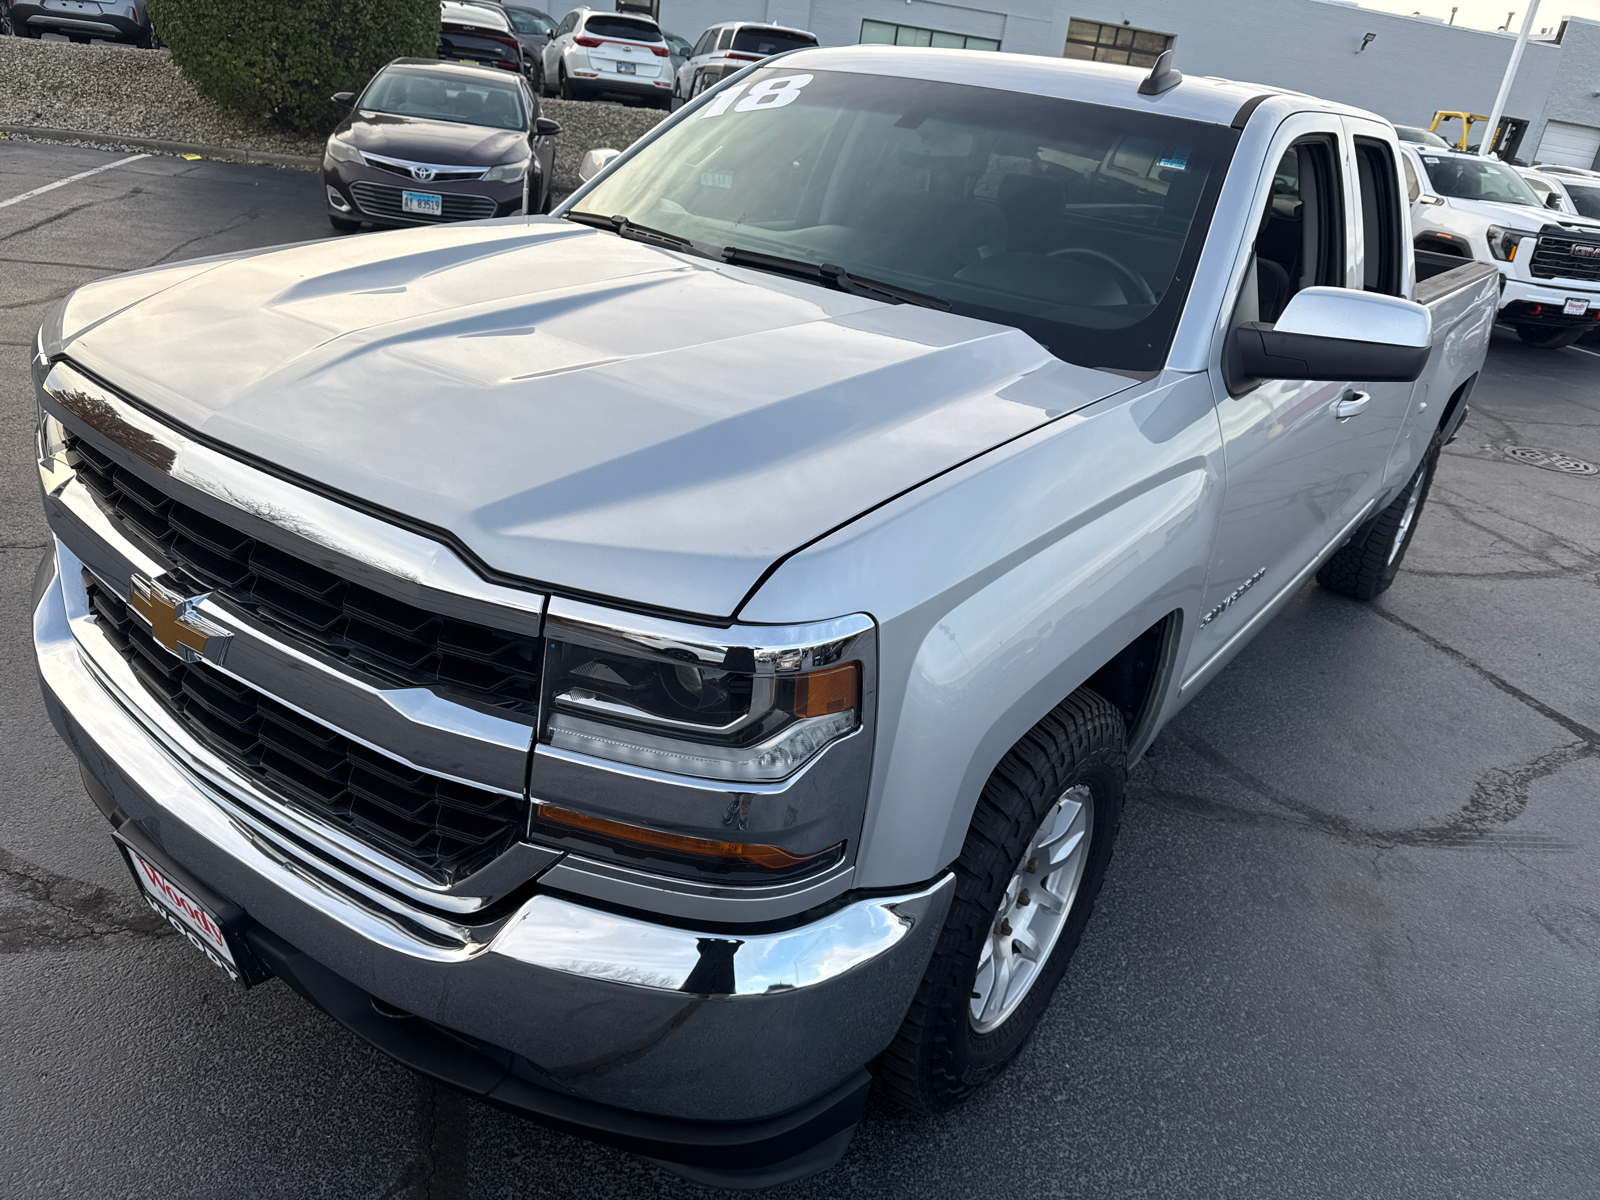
(1553, 201)
(1336, 334)
(1427, 199)
(344, 99)
(595, 161)
(545, 127)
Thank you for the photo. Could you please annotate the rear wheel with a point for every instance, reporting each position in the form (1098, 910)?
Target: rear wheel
(1545, 338)
(569, 90)
(1026, 879)
(1365, 566)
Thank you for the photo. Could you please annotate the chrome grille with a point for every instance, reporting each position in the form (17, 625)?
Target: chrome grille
(382, 200)
(1553, 258)
(352, 624)
(442, 827)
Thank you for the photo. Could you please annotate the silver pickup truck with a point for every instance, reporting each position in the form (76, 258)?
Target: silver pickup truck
(662, 667)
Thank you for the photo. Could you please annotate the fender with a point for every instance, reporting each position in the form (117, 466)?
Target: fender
(1000, 588)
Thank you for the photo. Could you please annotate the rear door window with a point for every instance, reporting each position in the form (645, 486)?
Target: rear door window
(1380, 216)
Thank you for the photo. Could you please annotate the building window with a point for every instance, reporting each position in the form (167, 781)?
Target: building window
(886, 33)
(1114, 43)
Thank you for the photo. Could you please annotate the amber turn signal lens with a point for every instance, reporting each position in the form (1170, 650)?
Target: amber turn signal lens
(772, 858)
(830, 690)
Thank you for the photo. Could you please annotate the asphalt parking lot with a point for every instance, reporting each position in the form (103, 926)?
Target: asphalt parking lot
(1349, 945)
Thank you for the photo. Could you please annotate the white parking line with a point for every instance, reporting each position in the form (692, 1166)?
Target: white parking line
(50, 187)
(1581, 350)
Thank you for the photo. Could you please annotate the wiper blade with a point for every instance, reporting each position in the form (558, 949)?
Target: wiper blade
(838, 277)
(623, 227)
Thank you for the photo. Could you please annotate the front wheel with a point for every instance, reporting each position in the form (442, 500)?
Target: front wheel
(1032, 864)
(1365, 566)
(1545, 338)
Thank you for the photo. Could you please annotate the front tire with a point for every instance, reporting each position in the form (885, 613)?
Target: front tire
(1032, 864)
(1365, 566)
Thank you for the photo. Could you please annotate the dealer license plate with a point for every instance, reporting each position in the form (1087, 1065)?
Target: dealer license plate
(625, 68)
(424, 204)
(1575, 306)
(182, 911)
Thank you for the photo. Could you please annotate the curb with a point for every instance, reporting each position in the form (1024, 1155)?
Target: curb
(293, 162)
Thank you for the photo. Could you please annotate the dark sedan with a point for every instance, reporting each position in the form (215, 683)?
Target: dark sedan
(429, 142)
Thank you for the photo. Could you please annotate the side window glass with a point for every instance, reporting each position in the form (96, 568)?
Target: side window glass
(726, 39)
(568, 24)
(1380, 217)
(1413, 188)
(1300, 241)
(703, 46)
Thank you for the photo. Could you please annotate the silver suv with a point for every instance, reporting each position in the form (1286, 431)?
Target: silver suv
(732, 46)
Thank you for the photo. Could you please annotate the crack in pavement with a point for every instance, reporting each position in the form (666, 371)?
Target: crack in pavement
(57, 910)
(1499, 795)
(438, 1169)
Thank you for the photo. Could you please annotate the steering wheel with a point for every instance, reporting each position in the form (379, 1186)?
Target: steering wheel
(1133, 283)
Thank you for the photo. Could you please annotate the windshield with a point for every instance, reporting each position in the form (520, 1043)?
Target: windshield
(679, 46)
(446, 98)
(1585, 199)
(1078, 224)
(1478, 179)
(621, 27)
(527, 22)
(752, 40)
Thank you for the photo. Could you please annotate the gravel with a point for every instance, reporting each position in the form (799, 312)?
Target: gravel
(105, 91)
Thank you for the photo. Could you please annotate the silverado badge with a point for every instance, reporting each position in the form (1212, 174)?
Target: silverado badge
(175, 624)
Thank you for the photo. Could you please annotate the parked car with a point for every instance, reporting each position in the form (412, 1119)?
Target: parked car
(1420, 136)
(1547, 189)
(1464, 206)
(479, 34)
(468, 139)
(729, 47)
(622, 56)
(678, 50)
(124, 21)
(645, 666)
(533, 29)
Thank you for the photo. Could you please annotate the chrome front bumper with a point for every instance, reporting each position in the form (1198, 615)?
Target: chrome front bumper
(596, 1006)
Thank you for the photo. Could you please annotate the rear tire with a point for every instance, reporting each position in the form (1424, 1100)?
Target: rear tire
(568, 90)
(1544, 338)
(1018, 844)
(1365, 566)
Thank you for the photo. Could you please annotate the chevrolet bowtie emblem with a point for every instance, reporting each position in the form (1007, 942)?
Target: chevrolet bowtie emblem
(175, 623)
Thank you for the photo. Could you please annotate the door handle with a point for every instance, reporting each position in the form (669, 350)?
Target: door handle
(1351, 404)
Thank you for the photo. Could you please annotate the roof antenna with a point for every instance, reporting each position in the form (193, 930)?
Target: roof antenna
(1162, 77)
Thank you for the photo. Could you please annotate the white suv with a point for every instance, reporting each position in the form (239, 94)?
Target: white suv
(732, 46)
(595, 54)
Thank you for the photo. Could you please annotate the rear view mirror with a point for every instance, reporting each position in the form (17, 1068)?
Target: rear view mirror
(344, 99)
(595, 161)
(1338, 334)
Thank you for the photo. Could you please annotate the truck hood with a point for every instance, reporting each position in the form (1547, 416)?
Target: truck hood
(587, 413)
(1522, 216)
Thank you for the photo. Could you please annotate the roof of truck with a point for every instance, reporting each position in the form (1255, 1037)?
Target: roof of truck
(1198, 98)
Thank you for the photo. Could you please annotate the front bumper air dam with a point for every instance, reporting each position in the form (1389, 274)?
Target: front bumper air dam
(732, 1058)
(1518, 298)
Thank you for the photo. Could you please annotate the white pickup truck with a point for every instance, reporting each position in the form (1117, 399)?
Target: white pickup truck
(659, 666)
(1464, 206)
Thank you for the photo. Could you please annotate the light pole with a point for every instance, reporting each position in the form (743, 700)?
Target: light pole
(1499, 108)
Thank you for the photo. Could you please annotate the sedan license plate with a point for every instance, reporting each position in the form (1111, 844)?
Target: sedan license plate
(424, 204)
(1575, 306)
(186, 914)
(625, 68)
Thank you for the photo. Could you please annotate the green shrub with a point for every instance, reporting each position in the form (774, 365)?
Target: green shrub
(278, 61)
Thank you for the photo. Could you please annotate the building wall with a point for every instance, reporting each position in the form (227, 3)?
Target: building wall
(1572, 93)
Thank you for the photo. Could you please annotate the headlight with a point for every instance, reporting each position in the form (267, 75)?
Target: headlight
(507, 172)
(740, 714)
(1503, 242)
(342, 151)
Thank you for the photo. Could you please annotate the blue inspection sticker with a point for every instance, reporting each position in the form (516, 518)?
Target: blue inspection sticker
(1175, 159)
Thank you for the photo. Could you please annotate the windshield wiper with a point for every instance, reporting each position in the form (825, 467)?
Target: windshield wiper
(623, 227)
(838, 277)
